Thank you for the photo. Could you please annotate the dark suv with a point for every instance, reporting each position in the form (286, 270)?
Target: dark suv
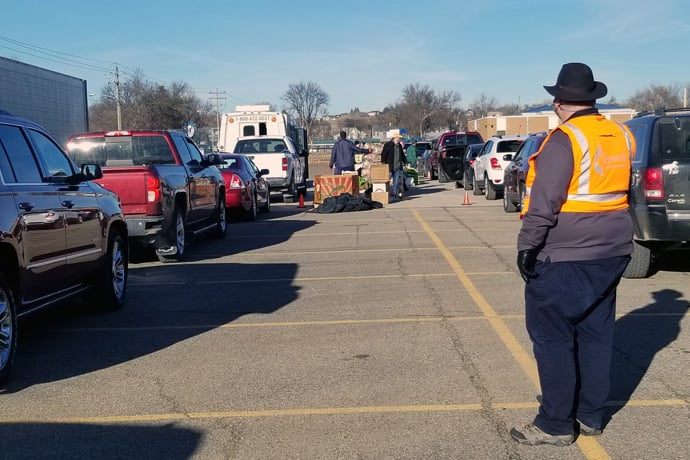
(61, 235)
(660, 186)
(515, 173)
(450, 154)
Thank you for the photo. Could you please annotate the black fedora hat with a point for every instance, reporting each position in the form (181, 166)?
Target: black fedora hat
(576, 83)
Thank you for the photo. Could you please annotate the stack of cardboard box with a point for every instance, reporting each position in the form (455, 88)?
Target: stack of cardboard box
(380, 183)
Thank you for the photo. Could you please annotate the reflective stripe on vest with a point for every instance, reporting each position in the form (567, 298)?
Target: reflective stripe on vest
(580, 197)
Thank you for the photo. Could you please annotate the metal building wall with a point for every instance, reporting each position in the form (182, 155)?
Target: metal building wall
(56, 101)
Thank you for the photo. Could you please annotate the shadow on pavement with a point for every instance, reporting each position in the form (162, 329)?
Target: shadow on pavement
(166, 304)
(69, 440)
(640, 335)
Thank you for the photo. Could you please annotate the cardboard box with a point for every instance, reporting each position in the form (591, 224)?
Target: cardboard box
(325, 186)
(379, 173)
(381, 197)
(380, 187)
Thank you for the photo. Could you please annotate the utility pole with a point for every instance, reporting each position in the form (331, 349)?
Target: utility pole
(217, 97)
(117, 99)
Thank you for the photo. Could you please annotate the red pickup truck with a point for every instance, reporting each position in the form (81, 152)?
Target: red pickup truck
(168, 190)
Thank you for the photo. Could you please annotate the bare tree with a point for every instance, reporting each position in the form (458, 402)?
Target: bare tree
(447, 100)
(656, 97)
(305, 100)
(482, 105)
(418, 104)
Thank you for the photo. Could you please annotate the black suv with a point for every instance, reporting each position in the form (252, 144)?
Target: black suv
(61, 235)
(660, 186)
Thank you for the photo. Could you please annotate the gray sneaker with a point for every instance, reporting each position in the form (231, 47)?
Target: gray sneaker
(588, 430)
(531, 435)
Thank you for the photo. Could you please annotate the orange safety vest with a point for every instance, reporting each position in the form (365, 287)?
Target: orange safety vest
(602, 152)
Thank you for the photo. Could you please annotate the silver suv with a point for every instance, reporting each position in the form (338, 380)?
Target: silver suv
(489, 166)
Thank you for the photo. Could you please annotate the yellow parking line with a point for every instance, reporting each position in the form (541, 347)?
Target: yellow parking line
(301, 412)
(588, 445)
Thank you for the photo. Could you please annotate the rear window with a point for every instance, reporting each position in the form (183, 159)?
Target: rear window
(121, 151)
(260, 146)
(672, 138)
(464, 139)
(508, 146)
(229, 163)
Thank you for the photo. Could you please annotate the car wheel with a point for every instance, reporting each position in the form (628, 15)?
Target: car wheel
(467, 181)
(8, 328)
(640, 265)
(267, 206)
(489, 190)
(508, 205)
(291, 195)
(111, 287)
(221, 220)
(477, 190)
(178, 237)
(442, 175)
(521, 196)
(252, 212)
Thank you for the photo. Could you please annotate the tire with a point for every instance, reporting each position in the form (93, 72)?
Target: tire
(442, 175)
(489, 190)
(221, 219)
(640, 265)
(267, 206)
(253, 209)
(291, 195)
(521, 196)
(178, 235)
(508, 205)
(8, 328)
(467, 181)
(477, 190)
(110, 289)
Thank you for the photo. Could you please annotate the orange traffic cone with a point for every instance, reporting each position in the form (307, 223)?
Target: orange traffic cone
(466, 201)
(301, 201)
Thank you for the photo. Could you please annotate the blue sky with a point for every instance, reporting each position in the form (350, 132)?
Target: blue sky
(361, 52)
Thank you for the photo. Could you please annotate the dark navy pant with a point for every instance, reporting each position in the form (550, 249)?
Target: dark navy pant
(570, 315)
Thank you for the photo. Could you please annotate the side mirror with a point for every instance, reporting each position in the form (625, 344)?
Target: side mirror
(264, 172)
(304, 153)
(91, 171)
(508, 157)
(214, 159)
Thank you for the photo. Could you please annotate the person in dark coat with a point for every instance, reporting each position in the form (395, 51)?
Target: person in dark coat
(394, 156)
(343, 155)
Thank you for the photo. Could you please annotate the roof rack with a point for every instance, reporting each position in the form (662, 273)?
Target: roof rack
(662, 111)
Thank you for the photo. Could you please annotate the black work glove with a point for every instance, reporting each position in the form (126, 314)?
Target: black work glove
(525, 262)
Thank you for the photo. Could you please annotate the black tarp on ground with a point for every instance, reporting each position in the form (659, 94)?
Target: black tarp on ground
(346, 203)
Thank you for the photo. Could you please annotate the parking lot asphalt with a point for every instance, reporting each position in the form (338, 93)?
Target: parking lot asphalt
(394, 333)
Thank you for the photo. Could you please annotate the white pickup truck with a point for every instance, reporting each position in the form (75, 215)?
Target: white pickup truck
(280, 156)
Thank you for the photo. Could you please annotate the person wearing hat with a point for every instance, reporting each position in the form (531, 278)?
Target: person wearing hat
(393, 155)
(573, 246)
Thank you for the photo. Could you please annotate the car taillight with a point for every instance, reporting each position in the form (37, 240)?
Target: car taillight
(153, 189)
(285, 164)
(653, 184)
(235, 182)
(495, 164)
